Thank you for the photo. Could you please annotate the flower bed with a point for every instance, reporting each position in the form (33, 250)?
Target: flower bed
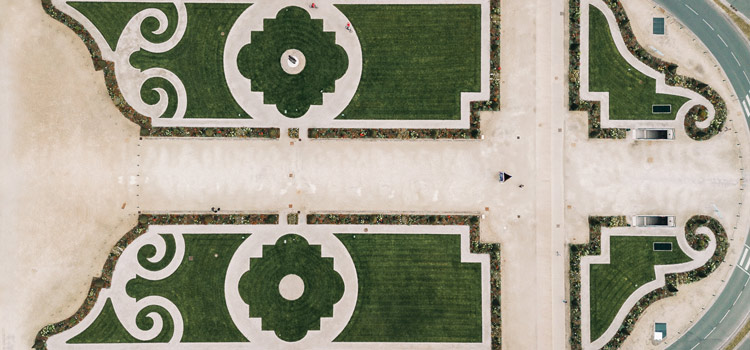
(144, 220)
(141, 120)
(695, 114)
(476, 246)
(577, 251)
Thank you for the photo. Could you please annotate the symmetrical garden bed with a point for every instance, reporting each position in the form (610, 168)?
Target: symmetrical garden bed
(694, 115)
(628, 280)
(216, 279)
(179, 70)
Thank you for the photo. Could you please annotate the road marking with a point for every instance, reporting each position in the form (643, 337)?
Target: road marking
(725, 316)
(695, 346)
(736, 60)
(748, 100)
(709, 333)
(748, 273)
(747, 265)
(747, 111)
(691, 9)
(744, 251)
(722, 40)
(738, 298)
(746, 78)
(704, 21)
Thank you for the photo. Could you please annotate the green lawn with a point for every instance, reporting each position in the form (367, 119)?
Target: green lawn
(632, 265)
(108, 329)
(417, 59)
(197, 288)
(293, 93)
(413, 288)
(198, 60)
(291, 319)
(111, 18)
(631, 93)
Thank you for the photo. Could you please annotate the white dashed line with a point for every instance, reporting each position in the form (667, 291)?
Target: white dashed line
(738, 298)
(725, 316)
(736, 60)
(691, 9)
(704, 21)
(696, 345)
(709, 333)
(744, 251)
(747, 111)
(747, 264)
(746, 78)
(748, 100)
(722, 40)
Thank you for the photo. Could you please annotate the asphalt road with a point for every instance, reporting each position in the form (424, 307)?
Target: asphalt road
(733, 54)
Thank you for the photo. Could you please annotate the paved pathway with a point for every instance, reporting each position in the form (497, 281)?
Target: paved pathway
(323, 116)
(128, 267)
(732, 52)
(67, 141)
(699, 258)
(661, 86)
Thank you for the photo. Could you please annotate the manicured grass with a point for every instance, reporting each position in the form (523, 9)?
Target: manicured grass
(291, 319)
(197, 288)
(108, 329)
(417, 59)
(198, 60)
(631, 93)
(632, 265)
(293, 29)
(413, 288)
(111, 18)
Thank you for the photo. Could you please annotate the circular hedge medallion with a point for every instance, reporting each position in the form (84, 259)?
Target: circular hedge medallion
(324, 61)
(260, 287)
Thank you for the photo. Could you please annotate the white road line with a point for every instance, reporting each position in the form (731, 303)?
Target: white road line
(747, 111)
(748, 273)
(691, 9)
(744, 251)
(746, 78)
(696, 345)
(738, 298)
(736, 60)
(722, 40)
(704, 21)
(725, 316)
(709, 333)
(747, 265)
(748, 100)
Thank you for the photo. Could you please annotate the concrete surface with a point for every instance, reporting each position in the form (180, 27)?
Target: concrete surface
(76, 173)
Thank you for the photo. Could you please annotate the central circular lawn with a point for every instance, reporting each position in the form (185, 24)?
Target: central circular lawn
(325, 62)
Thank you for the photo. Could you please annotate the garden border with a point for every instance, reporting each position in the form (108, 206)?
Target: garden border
(473, 132)
(475, 246)
(144, 220)
(694, 115)
(577, 251)
(110, 80)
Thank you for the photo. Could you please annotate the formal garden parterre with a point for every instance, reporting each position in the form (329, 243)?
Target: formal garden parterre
(629, 267)
(623, 106)
(215, 279)
(168, 68)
